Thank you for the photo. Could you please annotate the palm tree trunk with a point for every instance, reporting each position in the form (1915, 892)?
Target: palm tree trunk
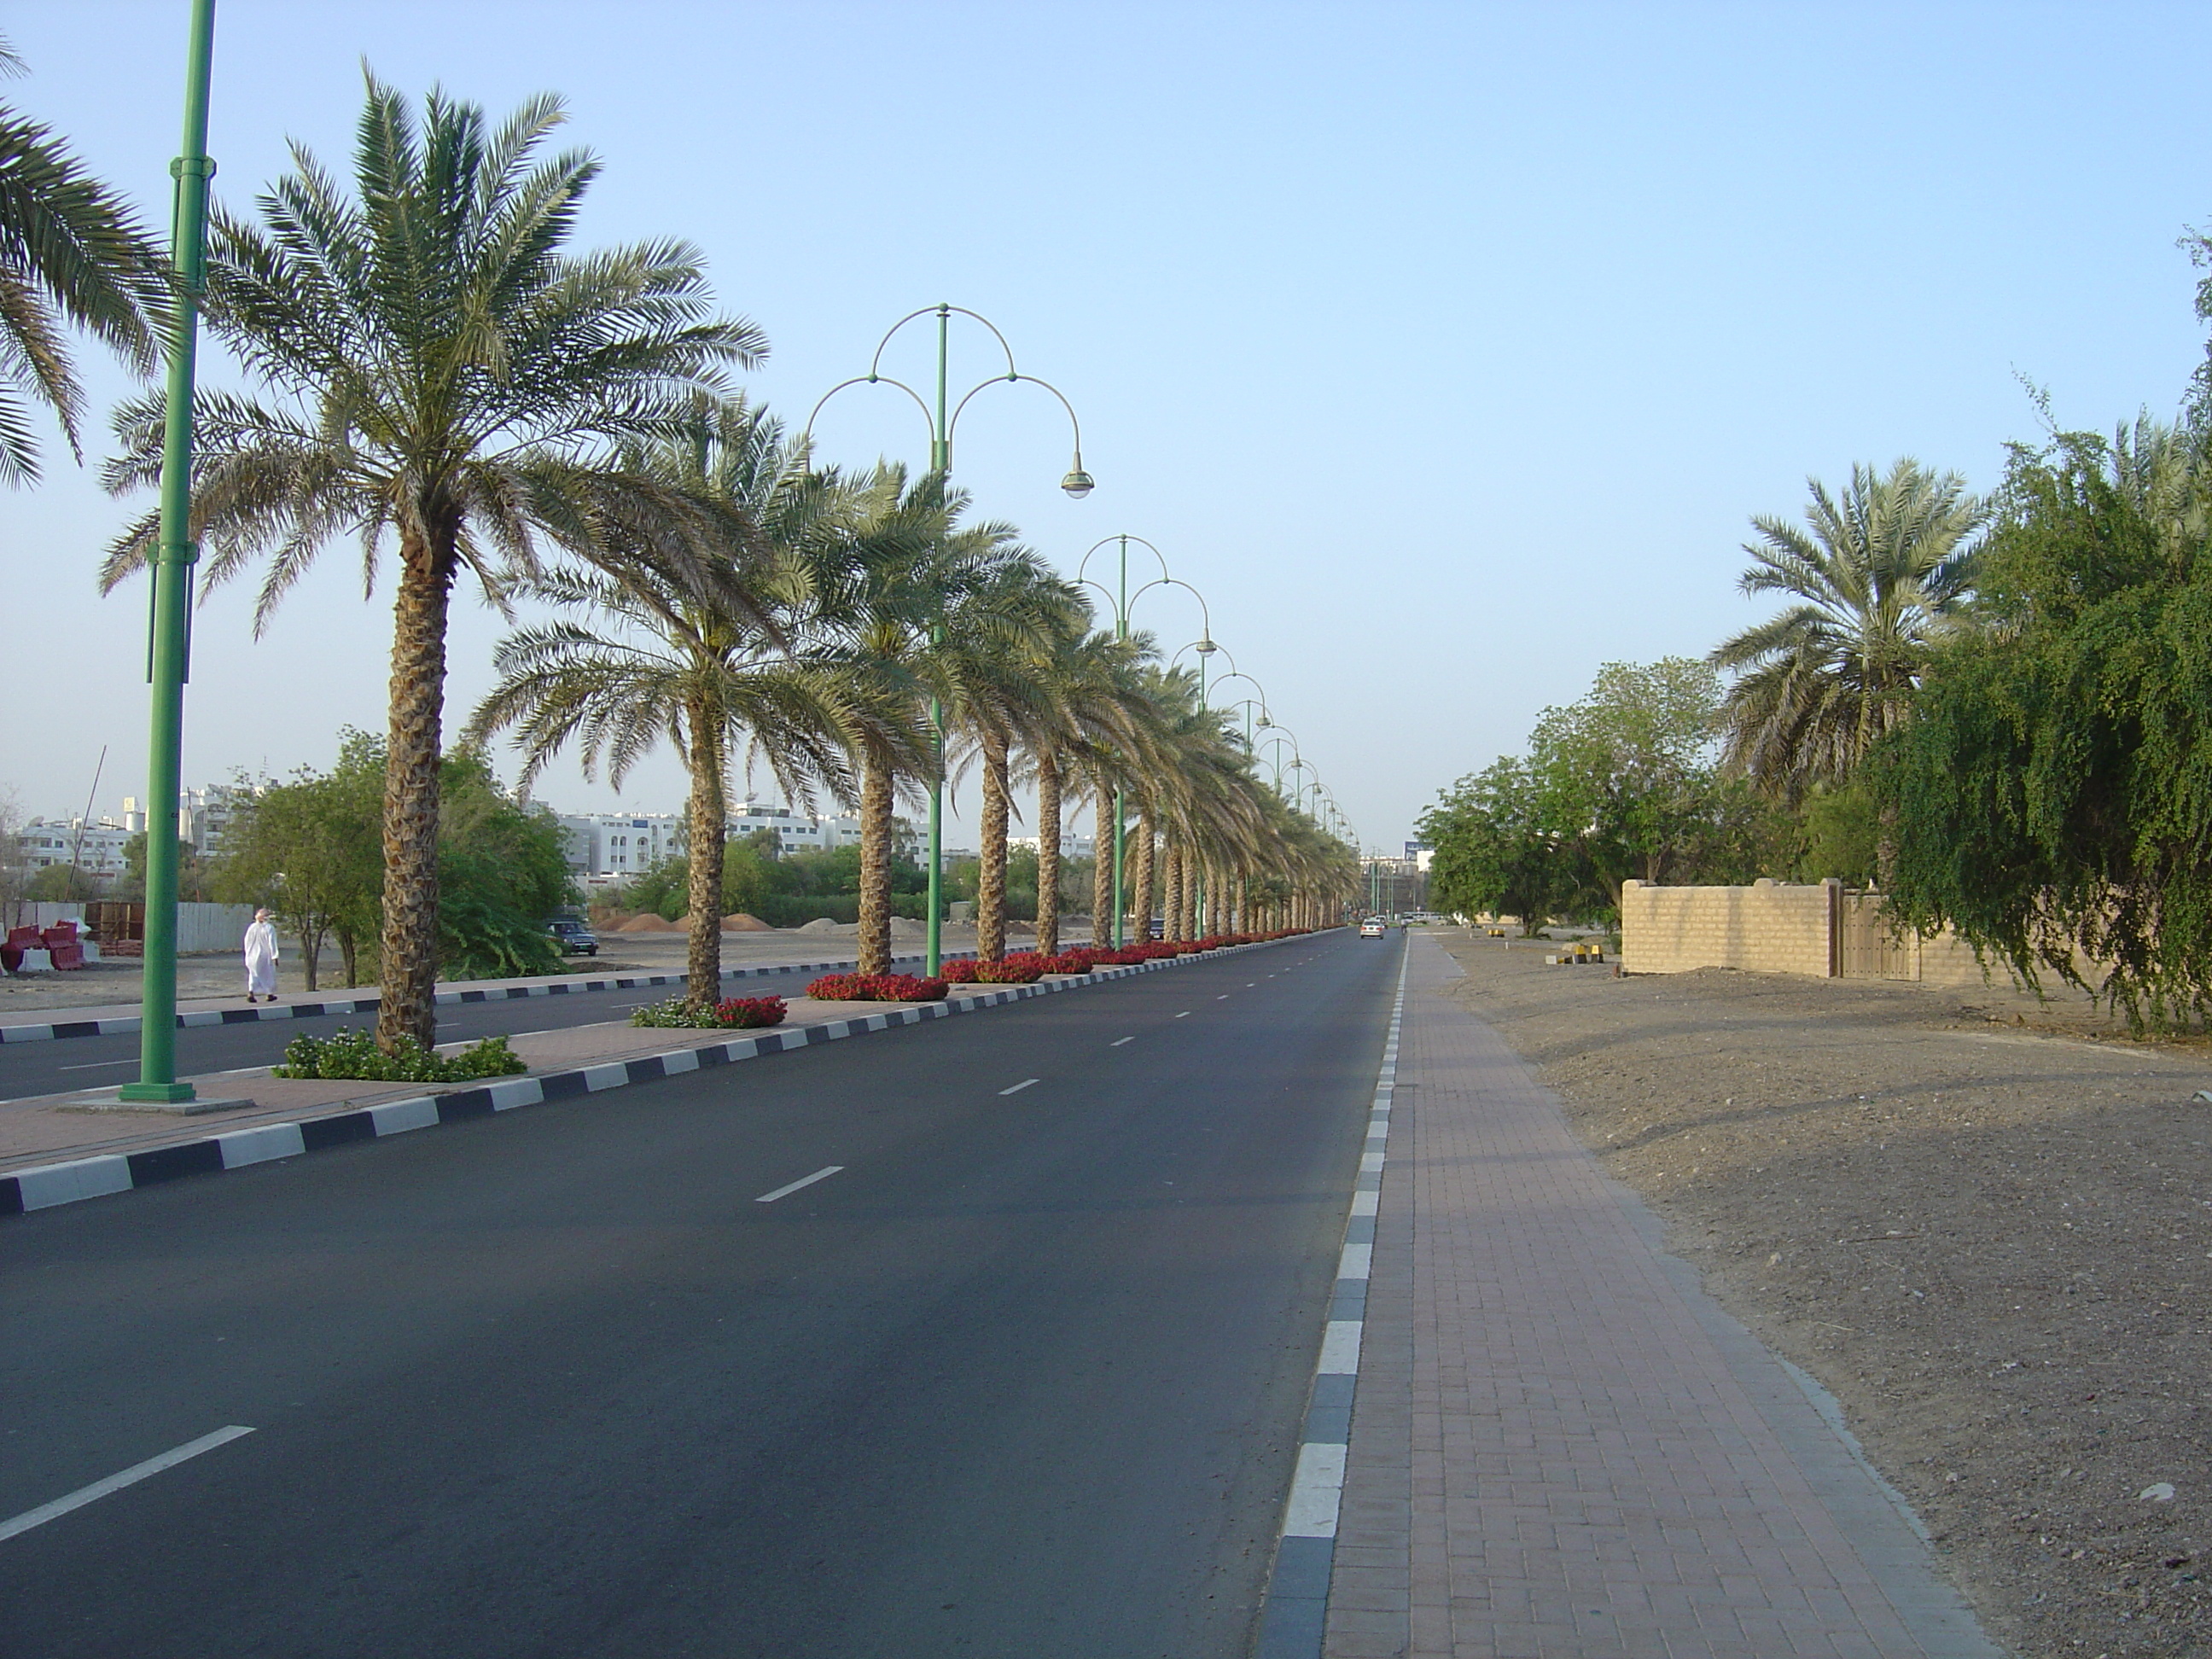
(1102, 870)
(1048, 787)
(1140, 880)
(408, 976)
(1173, 880)
(875, 941)
(991, 857)
(702, 977)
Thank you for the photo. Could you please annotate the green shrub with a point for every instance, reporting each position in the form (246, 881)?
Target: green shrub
(349, 1054)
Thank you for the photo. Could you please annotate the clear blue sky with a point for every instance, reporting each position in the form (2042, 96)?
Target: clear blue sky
(1446, 349)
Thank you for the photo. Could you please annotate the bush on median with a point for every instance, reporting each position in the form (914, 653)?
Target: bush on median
(875, 987)
(354, 1055)
(731, 1014)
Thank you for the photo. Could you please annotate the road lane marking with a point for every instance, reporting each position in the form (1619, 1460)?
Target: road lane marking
(1022, 1085)
(1118, 1042)
(1224, 997)
(114, 1483)
(94, 1065)
(803, 1181)
(1185, 1014)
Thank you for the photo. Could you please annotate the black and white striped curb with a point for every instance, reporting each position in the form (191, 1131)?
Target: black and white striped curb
(1294, 1618)
(50, 1184)
(131, 1023)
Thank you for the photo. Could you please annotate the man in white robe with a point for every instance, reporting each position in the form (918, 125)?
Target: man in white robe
(261, 958)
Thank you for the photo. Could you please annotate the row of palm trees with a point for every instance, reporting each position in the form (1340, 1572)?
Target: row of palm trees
(432, 371)
(838, 610)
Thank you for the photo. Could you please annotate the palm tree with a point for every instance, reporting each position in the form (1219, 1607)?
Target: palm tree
(908, 582)
(661, 654)
(446, 375)
(1877, 575)
(1084, 680)
(71, 253)
(1000, 640)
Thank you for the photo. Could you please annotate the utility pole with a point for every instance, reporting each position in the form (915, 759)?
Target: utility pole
(169, 664)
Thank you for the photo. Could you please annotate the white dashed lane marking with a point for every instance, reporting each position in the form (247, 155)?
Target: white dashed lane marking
(1118, 1042)
(803, 1181)
(1022, 1085)
(129, 1477)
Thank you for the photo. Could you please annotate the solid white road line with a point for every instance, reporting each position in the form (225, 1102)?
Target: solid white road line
(803, 1181)
(94, 1065)
(129, 1477)
(1118, 1042)
(1022, 1085)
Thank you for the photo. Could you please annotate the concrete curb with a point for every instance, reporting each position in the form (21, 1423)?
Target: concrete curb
(50, 1184)
(1294, 1611)
(129, 1024)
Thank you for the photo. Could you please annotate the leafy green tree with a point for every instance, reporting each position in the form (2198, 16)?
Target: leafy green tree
(1625, 774)
(1876, 577)
(70, 253)
(308, 849)
(503, 872)
(1841, 833)
(2053, 793)
(192, 874)
(1495, 850)
(443, 375)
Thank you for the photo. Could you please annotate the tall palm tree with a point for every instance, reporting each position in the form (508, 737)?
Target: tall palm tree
(909, 580)
(1085, 678)
(1876, 577)
(655, 652)
(444, 375)
(71, 253)
(1000, 641)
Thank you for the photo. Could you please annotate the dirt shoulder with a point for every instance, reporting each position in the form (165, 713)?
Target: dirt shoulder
(1985, 1225)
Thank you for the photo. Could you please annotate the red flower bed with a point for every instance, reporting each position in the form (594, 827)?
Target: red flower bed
(875, 987)
(744, 1013)
(963, 972)
(1080, 960)
(1022, 967)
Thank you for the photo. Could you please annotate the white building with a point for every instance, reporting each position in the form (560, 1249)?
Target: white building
(618, 845)
(94, 848)
(1071, 847)
(204, 815)
(607, 847)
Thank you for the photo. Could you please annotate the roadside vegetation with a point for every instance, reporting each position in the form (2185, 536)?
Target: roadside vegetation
(435, 373)
(1994, 710)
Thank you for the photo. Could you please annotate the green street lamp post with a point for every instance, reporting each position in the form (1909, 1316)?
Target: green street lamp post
(169, 660)
(1122, 599)
(944, 417)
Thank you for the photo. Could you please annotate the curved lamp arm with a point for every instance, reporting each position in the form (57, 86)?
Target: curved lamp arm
(806, 433)
(1078, 482)
(1083, 563)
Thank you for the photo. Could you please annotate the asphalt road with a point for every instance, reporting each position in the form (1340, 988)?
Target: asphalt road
(1022, 1380)
(45, 1068)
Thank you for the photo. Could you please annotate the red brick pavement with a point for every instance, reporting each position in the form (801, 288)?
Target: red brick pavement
(1561, 1447)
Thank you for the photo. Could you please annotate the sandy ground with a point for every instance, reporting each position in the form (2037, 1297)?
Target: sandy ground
(222, 978)
(1985, 1223)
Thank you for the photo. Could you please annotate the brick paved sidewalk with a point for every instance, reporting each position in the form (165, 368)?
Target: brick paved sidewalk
(1562, 1447)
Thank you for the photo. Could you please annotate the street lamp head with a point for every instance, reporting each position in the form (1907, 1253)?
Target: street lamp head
(1078, 482)
(1206, 648)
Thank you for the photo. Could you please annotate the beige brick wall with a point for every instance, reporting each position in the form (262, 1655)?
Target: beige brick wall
(1769, 927)
(1776, 928)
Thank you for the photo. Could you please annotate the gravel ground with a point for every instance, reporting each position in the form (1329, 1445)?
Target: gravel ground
(1983, 1222)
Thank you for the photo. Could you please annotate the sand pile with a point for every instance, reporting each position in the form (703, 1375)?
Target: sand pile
(743, 923)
